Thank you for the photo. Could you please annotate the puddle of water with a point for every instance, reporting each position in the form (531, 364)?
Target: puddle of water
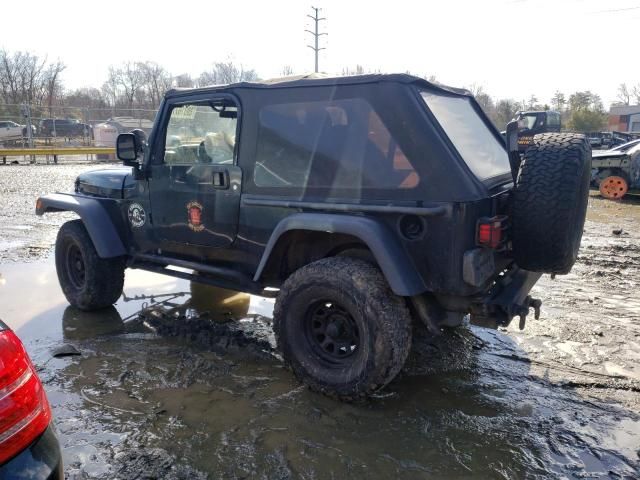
(183, 391)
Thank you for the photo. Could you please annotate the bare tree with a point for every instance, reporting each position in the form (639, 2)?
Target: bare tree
(184, 80)
(110, 89)
(130, 79)
(25, 78)
(506, 109)
(223, 73)
(208, 78)
(636, 94)
(357, 70)
(155, 82)
(286, 71)
(624, 95)
(53, 84)
(484, 99)
(558, 101)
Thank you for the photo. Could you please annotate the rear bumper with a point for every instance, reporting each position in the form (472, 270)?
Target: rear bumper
(508, 298)
(39, 461)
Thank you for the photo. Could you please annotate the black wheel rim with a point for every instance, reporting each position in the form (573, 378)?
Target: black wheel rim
(331, 331)
(76, 270)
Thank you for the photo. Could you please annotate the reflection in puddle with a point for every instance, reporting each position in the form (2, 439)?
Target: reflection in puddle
(182, 381)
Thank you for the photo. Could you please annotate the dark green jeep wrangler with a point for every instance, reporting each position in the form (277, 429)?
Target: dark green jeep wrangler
(362, 204)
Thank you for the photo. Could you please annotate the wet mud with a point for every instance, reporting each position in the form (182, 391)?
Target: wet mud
(182, 381)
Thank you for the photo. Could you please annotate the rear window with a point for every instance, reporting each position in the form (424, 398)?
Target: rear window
(331, 144)
(485, 155)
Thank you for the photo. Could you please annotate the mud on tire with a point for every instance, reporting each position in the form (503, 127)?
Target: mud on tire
(348, 303)
(88, 281)
(550, 202)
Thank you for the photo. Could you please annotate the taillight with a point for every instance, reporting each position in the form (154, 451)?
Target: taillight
(490, 231)
(24, 409)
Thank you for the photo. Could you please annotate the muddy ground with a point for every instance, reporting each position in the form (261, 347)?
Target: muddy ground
(180, 381)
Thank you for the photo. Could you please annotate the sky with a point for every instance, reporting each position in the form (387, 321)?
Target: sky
(511, 48)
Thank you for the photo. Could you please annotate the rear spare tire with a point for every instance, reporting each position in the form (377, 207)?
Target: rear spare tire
(550, 202)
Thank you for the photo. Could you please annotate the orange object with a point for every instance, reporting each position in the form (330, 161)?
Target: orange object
(613, 187)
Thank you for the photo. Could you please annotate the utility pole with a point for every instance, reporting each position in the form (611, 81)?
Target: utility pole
(316, 34)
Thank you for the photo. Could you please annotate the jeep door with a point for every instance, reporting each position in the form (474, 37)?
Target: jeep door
(195, 183)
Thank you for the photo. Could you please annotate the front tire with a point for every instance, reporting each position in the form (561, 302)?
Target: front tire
(87, 281)
(341, 329)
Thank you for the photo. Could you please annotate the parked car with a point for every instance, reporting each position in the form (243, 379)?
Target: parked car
(64, 127)
(360, 203)
(619, 148)
(616, 171)
(28, 447)
(10, 131)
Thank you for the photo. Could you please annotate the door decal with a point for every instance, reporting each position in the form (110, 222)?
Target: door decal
(194, 210)
(137, 215)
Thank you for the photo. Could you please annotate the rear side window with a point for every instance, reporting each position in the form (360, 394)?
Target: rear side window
(336, 144)
(484, 154)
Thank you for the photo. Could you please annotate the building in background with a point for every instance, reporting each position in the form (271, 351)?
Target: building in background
(624, 118)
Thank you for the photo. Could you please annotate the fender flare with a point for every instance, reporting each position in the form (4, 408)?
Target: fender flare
(93, 214)
(397, 267)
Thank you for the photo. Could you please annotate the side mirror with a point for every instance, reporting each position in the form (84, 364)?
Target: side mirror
(127, 148)
(512, 136)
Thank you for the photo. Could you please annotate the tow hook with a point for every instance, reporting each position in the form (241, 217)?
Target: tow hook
(523, 310)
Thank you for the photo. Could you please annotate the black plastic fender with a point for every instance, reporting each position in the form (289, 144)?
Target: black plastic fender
(394, 262)
(95, 217)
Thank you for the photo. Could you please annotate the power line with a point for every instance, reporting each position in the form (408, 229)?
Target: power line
(316, 34)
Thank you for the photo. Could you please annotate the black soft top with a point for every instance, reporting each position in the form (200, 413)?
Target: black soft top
(317, 80)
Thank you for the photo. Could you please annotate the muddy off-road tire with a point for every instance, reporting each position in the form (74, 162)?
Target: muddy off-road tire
(341, 329)
(88, 281)
(550, 202)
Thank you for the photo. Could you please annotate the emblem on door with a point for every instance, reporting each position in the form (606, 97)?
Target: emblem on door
(194, 213)
(137, 215)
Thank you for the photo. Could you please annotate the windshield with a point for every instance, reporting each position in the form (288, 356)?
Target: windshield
(529, 120)
(485, 155)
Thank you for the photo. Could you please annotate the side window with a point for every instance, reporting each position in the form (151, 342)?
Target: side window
(339, 144)
(201, 133)
(553, 120)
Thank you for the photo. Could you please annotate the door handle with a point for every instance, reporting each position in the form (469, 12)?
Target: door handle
(220, 180)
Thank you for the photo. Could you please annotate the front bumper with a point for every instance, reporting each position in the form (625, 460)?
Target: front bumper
(39, 461)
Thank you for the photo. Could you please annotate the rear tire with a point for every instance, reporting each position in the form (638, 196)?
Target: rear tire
(550, 202)
(87, 281)
(341, 329)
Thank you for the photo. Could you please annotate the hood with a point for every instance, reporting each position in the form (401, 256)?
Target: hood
(108, 183)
